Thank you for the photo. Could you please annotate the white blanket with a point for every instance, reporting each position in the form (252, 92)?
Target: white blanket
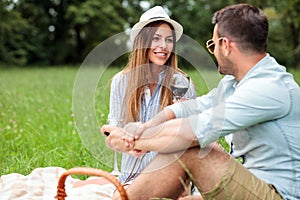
(41, 184)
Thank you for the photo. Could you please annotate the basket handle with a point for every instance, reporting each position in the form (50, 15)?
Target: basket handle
(61, 193)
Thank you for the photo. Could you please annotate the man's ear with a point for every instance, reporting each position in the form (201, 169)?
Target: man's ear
(226, 46)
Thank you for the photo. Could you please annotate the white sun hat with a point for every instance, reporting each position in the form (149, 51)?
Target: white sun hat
(155, 14)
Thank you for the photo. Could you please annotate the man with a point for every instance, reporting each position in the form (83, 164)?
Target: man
(256, 104)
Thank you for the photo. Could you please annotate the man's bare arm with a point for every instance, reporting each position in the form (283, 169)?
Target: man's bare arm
(135, 130)
(161, 117)
(172, 136)
(164, 135)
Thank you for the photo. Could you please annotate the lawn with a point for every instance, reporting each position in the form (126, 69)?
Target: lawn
(37, 126)
(37, 123)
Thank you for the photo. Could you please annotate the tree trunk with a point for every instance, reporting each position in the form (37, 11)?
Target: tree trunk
(296, 44)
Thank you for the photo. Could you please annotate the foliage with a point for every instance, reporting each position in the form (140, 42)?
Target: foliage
(65, 31)
(94, 21)
(13, 32)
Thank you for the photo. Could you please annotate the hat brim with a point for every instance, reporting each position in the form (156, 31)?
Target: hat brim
(140, 25)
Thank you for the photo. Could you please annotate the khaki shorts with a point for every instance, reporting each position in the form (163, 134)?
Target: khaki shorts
(240, 183)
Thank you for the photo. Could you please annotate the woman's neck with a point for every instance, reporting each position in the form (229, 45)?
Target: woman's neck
(156, 69)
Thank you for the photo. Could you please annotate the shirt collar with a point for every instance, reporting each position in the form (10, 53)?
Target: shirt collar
(253, 70)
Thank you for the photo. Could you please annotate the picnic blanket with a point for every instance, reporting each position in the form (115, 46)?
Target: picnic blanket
(41, 184)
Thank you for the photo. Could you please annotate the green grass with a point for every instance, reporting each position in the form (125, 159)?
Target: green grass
(37, 121)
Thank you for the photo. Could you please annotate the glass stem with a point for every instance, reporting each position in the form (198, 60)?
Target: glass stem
(115, 162)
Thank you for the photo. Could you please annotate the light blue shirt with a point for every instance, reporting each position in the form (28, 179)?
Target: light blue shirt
(260, 116)
(150, 105)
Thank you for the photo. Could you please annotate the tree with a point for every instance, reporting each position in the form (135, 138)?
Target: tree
(92, 22)
(284, 23)
(65, 31)
(13, 35)
(291, 21)
(284, 20)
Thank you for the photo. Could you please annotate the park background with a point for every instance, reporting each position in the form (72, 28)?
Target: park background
(44, 42)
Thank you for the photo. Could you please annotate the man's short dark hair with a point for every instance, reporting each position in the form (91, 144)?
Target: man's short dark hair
(245, 24)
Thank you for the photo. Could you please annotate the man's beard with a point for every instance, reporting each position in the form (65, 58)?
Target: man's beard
(225, 66)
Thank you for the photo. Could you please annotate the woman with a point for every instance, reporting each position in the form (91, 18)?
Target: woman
(137, 93)
(142, 88)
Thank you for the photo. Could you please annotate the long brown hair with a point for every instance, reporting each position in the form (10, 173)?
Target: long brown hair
(139, 73)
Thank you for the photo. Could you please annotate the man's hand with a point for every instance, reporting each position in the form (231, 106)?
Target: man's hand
(133, 131)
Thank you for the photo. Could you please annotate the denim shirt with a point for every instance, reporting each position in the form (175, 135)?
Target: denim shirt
(150, 105)
(260, 117)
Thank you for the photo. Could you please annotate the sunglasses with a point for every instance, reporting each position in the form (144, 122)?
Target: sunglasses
(210, 45)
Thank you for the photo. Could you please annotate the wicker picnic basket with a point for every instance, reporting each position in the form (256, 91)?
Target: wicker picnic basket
(61, 193)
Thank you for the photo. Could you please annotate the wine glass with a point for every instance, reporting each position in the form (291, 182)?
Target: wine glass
(180, 84)
(116, 171)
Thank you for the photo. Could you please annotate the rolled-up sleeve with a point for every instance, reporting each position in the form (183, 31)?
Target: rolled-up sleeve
(251, 103)
(192, 106)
